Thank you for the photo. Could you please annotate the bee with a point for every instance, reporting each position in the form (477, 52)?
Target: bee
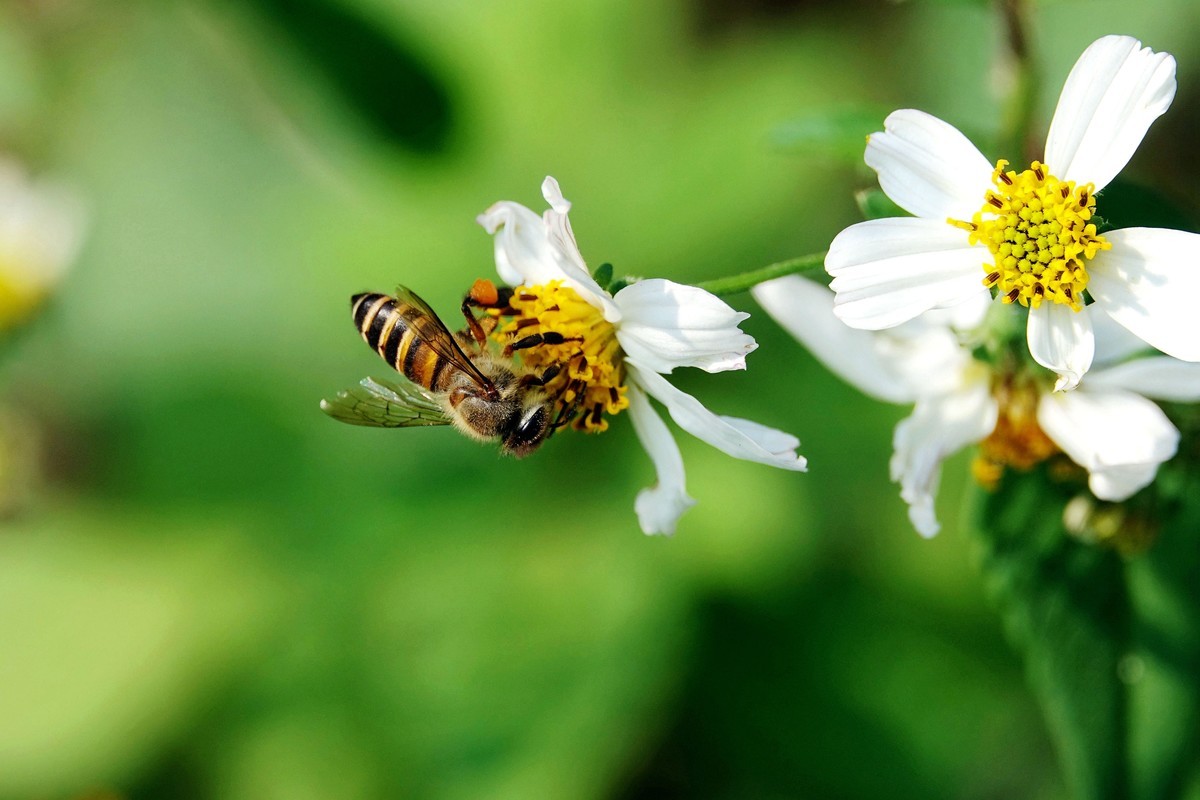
(452, 379)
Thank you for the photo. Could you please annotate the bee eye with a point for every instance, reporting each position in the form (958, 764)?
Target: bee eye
(528, 433)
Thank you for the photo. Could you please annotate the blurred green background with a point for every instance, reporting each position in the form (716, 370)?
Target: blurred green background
(213, 591)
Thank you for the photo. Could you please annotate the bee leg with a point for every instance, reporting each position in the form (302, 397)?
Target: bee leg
(567, 412)
(541, 380)
(476, 330)
(485, 294)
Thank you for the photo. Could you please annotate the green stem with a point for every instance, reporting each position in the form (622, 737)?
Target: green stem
(1016, 124)
(744, 282)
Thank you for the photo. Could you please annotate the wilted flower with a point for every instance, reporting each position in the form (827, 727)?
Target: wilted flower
(1033, 230)
(616, 347)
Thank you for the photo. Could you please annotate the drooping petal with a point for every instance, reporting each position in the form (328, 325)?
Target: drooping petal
(1060, 339)
(805, 310)
(1115, 91)
(928, 167)
(940, 425)
(659, 507)
(666, 325)
(739, 438)
(894, 366)
(1149, 282)
(887, 271)
(1156, 377)
(1119, 437)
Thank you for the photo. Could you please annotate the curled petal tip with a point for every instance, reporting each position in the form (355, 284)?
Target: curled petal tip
(554, 196)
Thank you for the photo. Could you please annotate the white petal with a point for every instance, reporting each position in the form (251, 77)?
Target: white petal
(1114, 342)
(940, 426)
(659, 507)
(1157, 377)
(887, 271)
(805, 310)
(1115, 91)
(533, 250)
(741, 439)
(894, 366)
(1060, 339)
(524, 254)
(927, 167)
(666, 325)
(1119, 437)
(1149, 282)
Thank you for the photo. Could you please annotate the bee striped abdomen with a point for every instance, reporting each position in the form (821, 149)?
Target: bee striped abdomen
(381, 322)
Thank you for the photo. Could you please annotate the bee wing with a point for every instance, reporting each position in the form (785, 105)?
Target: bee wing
(429, 328)
(383, 404)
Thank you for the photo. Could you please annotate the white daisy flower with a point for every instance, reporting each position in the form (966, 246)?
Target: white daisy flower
(1032, 230)
(1109, 425)
(41, 226)
(618, 346)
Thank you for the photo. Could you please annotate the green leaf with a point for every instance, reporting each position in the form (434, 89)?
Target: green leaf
(841, 133)
(1065, 607)
(1164, 659)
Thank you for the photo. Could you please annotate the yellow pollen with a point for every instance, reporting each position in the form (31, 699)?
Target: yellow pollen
(1039, 230)
(590, 383)
(1017, 442)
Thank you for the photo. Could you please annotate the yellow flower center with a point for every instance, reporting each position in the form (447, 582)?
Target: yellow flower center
(1039, 231)
(590, 380)
(1017, 442)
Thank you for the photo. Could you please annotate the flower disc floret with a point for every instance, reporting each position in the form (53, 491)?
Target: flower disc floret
(1017, 442)
(1039, 230)
(591, 379)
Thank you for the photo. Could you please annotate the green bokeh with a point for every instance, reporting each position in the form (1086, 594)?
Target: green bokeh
(217, 592)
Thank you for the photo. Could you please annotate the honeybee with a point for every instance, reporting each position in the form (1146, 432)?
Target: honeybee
(453, 379)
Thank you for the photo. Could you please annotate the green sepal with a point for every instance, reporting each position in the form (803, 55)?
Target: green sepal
(603, 275)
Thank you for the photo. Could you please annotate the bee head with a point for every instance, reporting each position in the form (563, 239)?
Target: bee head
(526, 430)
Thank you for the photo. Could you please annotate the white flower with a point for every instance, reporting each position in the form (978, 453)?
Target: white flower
(659, 325)
(968, 213)
(1108, 426)
(41, 226)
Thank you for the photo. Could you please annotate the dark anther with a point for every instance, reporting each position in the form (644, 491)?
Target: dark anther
(991, 279)
(1004, 177)
(532, 340)
(551, 373)
(525, 323)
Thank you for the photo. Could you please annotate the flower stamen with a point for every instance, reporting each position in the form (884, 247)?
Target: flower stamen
(576, 338)
(1039, 230)
(1017, 442)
